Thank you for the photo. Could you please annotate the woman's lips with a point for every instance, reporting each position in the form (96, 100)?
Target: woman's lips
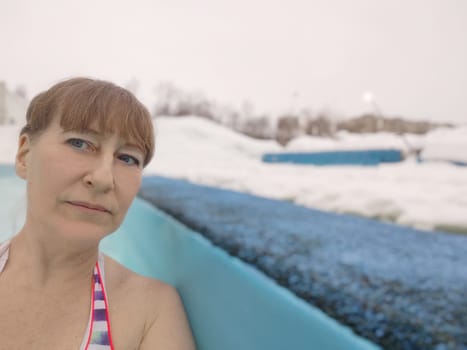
(90, 206)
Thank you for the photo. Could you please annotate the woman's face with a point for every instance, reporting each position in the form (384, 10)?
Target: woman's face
(79, 184)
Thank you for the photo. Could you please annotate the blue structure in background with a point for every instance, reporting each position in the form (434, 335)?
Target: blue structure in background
(363, 157)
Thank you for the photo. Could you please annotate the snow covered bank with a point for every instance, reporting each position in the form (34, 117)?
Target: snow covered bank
(446, 144)
(423, 195)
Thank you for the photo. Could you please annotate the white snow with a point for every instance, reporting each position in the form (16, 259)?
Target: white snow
(424, 195)
(447, 144)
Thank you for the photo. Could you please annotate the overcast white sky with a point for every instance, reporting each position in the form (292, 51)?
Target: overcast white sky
(412, 54)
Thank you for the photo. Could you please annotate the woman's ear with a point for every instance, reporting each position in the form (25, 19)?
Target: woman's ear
(24, 145)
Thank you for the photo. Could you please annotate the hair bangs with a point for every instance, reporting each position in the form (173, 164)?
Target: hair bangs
(111, 110)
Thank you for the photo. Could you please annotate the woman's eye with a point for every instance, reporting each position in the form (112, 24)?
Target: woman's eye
(130, 160)
(78, 143)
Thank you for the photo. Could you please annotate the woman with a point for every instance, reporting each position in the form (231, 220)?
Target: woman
(82, 153)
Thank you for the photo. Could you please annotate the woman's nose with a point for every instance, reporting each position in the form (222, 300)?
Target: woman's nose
(100, 177)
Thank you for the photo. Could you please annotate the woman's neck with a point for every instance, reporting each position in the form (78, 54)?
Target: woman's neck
(46, 261)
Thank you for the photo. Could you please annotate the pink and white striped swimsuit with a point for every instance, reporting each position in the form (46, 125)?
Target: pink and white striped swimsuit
(98, 335)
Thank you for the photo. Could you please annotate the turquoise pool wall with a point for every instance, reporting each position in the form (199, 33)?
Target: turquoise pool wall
(231, 305)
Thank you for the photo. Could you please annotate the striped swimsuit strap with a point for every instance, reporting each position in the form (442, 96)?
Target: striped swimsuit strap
(98, 335)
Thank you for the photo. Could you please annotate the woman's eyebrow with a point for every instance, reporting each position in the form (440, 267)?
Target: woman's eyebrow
(82, 131)
(90, 132)
(134, 146)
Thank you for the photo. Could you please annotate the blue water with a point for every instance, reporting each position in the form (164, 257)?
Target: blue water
(364, 157)
(230, 305)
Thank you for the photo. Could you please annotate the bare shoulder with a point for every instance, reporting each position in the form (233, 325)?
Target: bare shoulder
(165, 322)
(120, 277)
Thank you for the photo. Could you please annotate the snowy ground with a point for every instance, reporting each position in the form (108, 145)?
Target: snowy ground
(431, 195)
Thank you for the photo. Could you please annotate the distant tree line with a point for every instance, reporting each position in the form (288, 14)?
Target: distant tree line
(172, 101)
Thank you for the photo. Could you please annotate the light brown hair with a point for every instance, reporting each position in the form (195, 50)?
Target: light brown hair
(78, 102)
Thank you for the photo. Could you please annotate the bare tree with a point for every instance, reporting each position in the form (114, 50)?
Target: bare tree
(288, 127)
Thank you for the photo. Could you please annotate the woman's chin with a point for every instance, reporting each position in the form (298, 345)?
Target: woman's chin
(84, 232)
